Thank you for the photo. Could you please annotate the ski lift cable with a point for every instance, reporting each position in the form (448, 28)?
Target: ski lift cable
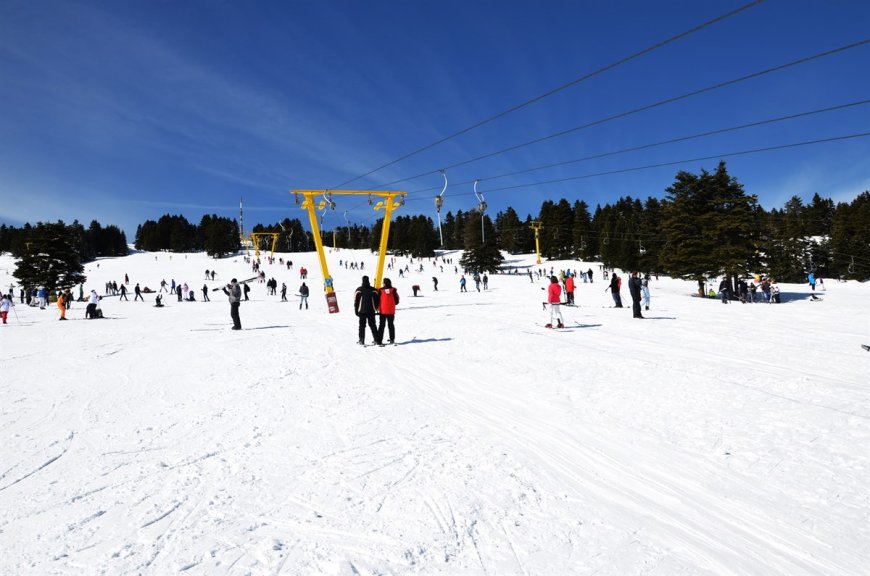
(696, 159)
(673, 140)
(671, 100)
(558, 89)
(672, 163)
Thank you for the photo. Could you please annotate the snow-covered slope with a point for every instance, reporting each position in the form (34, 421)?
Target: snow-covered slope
(704, 439)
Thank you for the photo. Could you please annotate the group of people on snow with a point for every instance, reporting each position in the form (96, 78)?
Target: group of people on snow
(369, 301)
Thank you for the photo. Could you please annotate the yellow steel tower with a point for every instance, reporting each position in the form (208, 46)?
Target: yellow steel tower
(391, 201)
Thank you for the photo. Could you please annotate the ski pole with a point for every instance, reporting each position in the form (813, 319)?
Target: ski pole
(16, 314)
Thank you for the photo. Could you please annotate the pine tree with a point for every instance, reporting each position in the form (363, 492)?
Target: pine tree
(710, 227)
(582, 230)
(509, 228)
(850, 238)
(220, 235)
(52, 259)
(480, 256)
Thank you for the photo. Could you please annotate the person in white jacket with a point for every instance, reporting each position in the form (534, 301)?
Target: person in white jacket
(6, 304)
(93, 303)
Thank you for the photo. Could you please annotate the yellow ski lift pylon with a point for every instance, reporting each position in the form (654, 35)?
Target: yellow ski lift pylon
(391, 201)
(536, 226)
(255, 237)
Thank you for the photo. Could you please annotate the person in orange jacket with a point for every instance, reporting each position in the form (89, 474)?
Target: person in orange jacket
(61, 305)
(569, 290)
(389, 297)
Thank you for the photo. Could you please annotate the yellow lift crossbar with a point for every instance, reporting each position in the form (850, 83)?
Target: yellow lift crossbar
(255, 236)
(314, 200)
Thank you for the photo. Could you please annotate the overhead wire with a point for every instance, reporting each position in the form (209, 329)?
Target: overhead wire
(553, 91)
(663, 164)
(663, 142)
(644, 108)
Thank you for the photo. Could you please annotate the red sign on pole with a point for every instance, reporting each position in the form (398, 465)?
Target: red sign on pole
(332, 302)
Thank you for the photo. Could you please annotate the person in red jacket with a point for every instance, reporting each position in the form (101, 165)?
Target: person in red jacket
(554, 299)
(389, 297)
(569, 290)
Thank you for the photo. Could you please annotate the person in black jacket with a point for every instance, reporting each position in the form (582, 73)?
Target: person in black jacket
(303, 296)
(634, 290)
(365, 305)
(614, 290)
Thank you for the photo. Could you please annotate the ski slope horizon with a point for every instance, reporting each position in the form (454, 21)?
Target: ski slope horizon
(704, 439)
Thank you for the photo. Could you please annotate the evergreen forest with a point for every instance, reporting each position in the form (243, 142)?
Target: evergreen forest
(705, 226)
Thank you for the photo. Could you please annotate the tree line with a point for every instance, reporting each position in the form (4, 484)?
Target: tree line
(705, 226)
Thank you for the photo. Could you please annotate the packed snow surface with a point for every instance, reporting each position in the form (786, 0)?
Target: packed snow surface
(704, 439)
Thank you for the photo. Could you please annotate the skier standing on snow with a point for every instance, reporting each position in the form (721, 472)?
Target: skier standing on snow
(365, 304)
(205, 297)
(138, 293)
(234, 293)
(634, 290)
(6, 304)
(283, 292)
(303, 296)
(614, 290)
(462, 285)
(61, 305)
(644, 288)
(123, 293)
(389, 297)
(724, 289)
(569, 290)
(554, 299)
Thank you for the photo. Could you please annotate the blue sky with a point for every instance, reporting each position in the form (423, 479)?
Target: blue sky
(123, 111)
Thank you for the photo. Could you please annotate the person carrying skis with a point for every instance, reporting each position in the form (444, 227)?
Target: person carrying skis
(365, 305)
(234, 294)
(554, 299)
(389, 297)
